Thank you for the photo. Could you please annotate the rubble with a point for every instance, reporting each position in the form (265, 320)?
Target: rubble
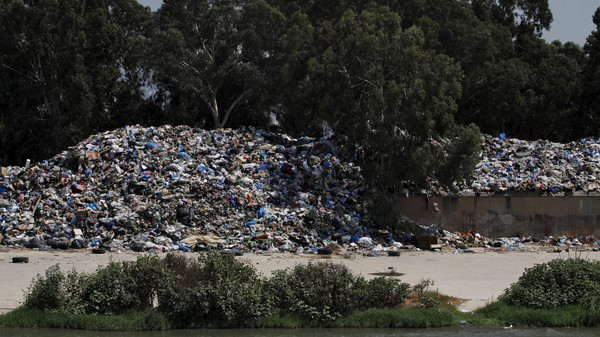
(178, 188)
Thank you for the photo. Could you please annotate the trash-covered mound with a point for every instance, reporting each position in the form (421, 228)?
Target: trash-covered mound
(513, 165)
(175, 187)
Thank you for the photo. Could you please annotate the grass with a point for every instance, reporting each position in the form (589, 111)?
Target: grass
(152, 320)
(394, 318)
(499, 313)
(281, 322)
(130, 321)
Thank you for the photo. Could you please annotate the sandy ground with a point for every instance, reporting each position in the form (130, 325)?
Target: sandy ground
(476, 277)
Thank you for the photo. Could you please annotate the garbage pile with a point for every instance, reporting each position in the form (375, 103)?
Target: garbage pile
(513, 165)
(179, 188)
(465, 242)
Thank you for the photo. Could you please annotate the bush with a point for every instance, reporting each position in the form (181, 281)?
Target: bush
(557, 283)
(212, 291)
(112, 289)
(316, 291)
(148, 274)
(109, 291)
(216, 291)
(47, 292)
(383, 292)
(322, 292)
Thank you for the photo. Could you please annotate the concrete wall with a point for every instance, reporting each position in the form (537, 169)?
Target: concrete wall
(498, 216)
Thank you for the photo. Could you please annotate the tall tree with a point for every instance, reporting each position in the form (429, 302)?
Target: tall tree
(590, 110)
(201, 54)
(59, 71)
(362, 76)
(521, 16)
(42, 74)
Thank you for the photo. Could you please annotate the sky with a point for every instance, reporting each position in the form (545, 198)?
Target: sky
(572, 19)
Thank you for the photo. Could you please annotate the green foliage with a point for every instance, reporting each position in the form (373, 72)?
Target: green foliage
(588, 118)
(146, 320)
(60, 73)
(393, 318)
(322, 292)
(501, 313)
(383, 292)
(146, 276)
(47, 292)
(112, 289)
(365, 77)
(107, 291)
(429, 301)
(317, 291)
(206, 56)
(213, 291)
(217, 291)
(556, 284)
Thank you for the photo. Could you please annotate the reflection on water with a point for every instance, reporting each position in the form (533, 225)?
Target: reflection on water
(438, 332)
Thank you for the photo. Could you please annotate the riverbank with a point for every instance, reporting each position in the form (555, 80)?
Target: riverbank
(477, 278)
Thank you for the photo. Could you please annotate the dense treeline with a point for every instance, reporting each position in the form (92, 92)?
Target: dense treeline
(413, 81)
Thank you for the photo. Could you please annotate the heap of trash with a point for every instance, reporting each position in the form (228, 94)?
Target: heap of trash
(179, 188)
(513, 165)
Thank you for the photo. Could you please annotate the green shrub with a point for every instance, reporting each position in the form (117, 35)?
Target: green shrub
(557, 283)
(322, 292)
(429, 301)
(212, 291)
(47, 292)
(383, 292)
(147, 275)
(107, 291)
(112, 289)
(215, 291)
(316, 291)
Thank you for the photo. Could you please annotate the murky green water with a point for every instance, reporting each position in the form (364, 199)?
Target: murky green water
(438, 332)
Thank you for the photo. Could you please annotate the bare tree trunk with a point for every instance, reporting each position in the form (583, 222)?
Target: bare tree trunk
(215, 110)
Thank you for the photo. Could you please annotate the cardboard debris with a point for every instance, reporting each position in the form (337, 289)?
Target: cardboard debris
(91, 155)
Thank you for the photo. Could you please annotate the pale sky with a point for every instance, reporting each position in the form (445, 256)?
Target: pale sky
(572, 19)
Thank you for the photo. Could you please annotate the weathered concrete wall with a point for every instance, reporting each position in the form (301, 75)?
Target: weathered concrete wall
(499, 216)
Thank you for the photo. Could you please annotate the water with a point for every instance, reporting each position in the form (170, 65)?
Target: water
(438, 332)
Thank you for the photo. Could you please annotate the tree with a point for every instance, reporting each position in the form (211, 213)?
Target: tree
(201, 52)
(60, 71)
(521, 16)
(44, 82)
(362, 76)
(590, 110)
